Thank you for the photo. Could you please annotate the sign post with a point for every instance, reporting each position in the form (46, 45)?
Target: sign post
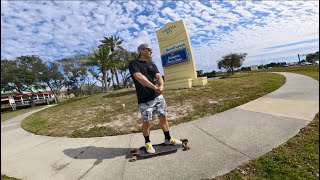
(177, 57)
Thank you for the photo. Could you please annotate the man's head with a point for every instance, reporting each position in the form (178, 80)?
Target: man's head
(144, 51)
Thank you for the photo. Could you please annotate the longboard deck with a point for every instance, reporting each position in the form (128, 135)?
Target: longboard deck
(159, 148)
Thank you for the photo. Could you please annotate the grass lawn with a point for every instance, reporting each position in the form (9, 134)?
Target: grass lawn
(104, 115)
(11, 114)
(312, 71)
(4, 177)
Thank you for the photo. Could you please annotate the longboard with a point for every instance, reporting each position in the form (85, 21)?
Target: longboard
(140, 153)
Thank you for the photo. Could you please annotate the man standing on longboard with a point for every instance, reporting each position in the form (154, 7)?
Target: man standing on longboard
(150, 99)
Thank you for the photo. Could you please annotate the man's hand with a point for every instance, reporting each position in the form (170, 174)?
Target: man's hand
(161, 89)
(158, 89)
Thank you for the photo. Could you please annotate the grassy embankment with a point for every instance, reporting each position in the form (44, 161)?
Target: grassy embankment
(103, 115)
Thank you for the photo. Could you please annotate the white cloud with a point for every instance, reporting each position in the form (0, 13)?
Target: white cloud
(130, 6)
(169, 13)
(215, 29)
(142, 19)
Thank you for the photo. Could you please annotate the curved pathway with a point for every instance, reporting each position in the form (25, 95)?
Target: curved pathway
(220, 142)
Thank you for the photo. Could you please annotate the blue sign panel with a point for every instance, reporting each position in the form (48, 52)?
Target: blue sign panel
(175, 57)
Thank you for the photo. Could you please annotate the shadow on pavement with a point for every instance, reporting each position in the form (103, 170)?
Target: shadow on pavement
(98, 153)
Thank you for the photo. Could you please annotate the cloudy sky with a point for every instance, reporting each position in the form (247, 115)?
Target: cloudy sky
(266, 30)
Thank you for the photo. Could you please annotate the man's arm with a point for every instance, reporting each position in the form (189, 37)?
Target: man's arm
(160, 81)
(144, 81)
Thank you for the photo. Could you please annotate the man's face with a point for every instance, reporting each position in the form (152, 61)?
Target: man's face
(146, 52)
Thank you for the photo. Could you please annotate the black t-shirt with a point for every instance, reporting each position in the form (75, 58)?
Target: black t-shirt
(149, 70)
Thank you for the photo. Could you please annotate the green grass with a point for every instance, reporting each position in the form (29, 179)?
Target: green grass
(11, 114)
(93, 116)
(311, 71)
(298, 158)
(4, 177)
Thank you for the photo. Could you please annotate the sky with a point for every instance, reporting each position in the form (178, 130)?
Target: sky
(268, 31)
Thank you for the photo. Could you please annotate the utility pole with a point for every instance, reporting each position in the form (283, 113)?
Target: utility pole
(299, 58)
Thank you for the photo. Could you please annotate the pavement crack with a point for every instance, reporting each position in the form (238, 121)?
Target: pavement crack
(86, 172)
(222, 142)
(94, 164)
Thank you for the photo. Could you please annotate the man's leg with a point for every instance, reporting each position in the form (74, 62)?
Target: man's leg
(146, 131)
(165, 128)
(164, 123)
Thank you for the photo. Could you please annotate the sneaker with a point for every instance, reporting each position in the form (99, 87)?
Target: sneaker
(173, 141)
(150, 148)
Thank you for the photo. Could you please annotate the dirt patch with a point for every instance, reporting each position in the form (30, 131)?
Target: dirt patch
(179, 110)
(122, 123)
(132, 122)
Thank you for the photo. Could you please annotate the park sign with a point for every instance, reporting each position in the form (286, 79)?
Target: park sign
(175, 54)
(177, 57)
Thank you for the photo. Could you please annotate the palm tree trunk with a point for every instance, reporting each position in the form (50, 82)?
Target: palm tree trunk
(103, 86)
(112, 76)
(104, 77)
(117, 78)
(106, 81)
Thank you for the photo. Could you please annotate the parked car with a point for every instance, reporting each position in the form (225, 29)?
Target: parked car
(316, 62)
(305, 63)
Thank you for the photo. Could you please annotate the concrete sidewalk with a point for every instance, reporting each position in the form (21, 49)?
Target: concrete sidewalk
(220, 142)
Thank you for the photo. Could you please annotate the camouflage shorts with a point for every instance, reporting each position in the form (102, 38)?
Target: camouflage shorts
(150, 109)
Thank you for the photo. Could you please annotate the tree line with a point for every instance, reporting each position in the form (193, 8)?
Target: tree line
(105, 64)
(235, 60)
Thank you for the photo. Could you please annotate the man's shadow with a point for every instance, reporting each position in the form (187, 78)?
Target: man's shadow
(98, 153)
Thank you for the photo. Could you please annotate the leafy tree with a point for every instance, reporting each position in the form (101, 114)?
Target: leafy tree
(75, 71)
(8, 74)
(102, 58)
(53, 78)
(22, 74)
(231, 61)
(209, 74)
(114, 43)
(312, 57)
(245, 69)
(124, 57)
(97, 76)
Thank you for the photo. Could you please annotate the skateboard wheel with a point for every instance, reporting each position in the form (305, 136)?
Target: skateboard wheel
(133, 158)
(185, 141)
(185, 148)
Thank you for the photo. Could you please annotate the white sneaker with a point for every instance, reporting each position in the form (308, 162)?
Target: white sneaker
(150, 148)
(173, 141)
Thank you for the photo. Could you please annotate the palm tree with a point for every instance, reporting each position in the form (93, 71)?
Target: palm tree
(102, 58)
(113, 42)
(123, 58)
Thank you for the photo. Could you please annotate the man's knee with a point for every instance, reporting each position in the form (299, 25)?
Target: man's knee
(146, 124)
(163, 118)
